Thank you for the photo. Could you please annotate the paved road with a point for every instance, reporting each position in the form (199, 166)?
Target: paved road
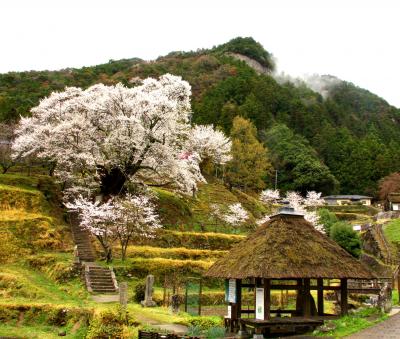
(388, 329)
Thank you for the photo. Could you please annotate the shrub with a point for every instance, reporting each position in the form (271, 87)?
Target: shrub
(141, 267)
(172, 253)
(140, 289)
(327, 219)
(346, 237)
(194, 240)
(106, 325)
(205, 323)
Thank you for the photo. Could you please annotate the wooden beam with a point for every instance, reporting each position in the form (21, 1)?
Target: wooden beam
(296, 287)
(267, 299)
(239, 298)
(343, 297)
(320, 296)
(299, 305)
(398, 285)
(306, 298)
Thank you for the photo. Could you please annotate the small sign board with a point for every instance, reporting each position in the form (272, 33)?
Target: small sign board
(260, 303)
(229, 312)
(231, 291)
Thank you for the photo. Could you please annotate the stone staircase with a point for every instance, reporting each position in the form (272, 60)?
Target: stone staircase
(98, 279)
(84, 249)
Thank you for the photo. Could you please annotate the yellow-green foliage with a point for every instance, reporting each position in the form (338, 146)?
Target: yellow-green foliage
(30, 216)
(9, 250)
(19, 180)
(31, 231)
(196, 240)
(56, 266)
(392, 231)
(13, 197)
(109, 324)
(172, 208)
(361, 209)
(141, 267)
(196, 212)
(252, 204)
(42, 321)
(172, 253)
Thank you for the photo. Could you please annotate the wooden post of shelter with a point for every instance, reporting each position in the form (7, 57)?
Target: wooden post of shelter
(239, 298)
(306, 298)
(343, 297)
(398, 285)
(320, 296)
(267, 299)
(299, 294)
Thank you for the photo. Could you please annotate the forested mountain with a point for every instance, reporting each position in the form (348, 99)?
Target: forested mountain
(343, 140)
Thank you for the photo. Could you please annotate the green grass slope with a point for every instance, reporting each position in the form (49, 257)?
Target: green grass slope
(197, 213)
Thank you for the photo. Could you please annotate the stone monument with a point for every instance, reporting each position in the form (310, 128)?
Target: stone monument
(148, 293)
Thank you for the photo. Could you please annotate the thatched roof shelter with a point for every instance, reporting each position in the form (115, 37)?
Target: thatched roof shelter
(285, 248)
(288, 246)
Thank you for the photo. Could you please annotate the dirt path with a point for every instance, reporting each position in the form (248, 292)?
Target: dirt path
(178, 329)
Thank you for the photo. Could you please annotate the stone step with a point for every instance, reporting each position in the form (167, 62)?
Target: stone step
(102, 285)
(106, 290)
(99, 276)
(99, 279)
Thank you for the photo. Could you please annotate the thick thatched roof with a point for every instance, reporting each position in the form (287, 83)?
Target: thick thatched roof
(288, 246)
(394, 197)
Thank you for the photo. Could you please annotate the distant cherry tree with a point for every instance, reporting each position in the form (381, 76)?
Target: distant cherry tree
(306, 206)
(270, 196)
(122, 218)
(235, 214)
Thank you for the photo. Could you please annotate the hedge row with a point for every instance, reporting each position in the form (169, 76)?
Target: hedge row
(160, 267)
(194, 240)
(173, 253)
(361, 209)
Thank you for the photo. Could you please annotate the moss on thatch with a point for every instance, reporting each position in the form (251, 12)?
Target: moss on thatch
(288, 247)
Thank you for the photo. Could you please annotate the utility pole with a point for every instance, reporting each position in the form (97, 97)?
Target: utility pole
(276, 179)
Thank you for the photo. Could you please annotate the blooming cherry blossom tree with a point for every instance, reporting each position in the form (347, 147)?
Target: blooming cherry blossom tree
(135, 217)
(236, 214)
(99, 219)
(122, 218)
(270, 196)
(304, 205)
(106, 136)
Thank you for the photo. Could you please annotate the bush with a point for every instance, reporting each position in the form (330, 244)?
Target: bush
(346, 237)
(194, 240)
(205, 323)
(106, 325)
(172, 253)
(140, 289)
(141, 267)
(327, 219)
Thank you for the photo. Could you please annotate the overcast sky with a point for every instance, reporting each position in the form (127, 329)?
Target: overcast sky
(355, 40)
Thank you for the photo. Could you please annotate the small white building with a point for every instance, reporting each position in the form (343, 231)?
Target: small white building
(347, 200)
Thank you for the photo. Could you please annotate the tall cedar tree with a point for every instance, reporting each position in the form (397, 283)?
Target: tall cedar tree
(250, 164)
